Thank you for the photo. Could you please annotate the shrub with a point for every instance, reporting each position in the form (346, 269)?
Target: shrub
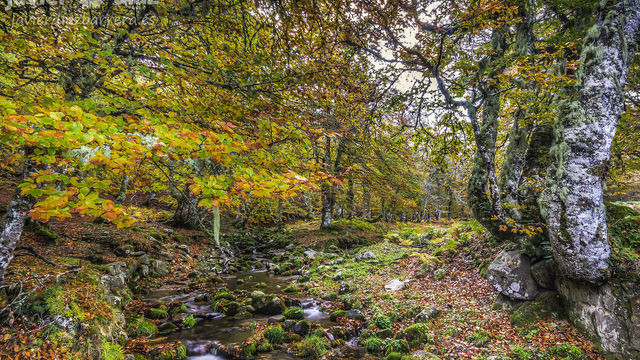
(275, 334)
(313, 346)
(373, 345)
(382, 322)
(141, 327)
(189, 321)
(397, 345)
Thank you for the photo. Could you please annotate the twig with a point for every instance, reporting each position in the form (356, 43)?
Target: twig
(34, 253)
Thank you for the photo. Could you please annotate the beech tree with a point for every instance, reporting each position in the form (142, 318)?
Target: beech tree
(520, 63)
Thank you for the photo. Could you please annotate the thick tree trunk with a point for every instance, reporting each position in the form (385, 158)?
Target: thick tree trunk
(483, 193)
(17, 214)
(188, 214)
(585, 127)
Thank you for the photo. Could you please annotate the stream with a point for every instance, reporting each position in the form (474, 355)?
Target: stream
(214, 329)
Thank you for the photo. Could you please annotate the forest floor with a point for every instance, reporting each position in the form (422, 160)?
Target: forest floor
(441, 306)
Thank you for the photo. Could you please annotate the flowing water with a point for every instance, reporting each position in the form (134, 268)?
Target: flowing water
(214, 329)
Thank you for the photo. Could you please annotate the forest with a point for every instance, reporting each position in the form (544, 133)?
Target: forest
(319, 179)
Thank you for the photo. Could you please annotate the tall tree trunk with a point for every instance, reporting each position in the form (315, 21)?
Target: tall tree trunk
(328, 202)
(587, 116)
(487, 209)
(350, 200)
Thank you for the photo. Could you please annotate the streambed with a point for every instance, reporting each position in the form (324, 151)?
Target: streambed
(214, 329)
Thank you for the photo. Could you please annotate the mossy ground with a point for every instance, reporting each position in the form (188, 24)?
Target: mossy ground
(441, 264)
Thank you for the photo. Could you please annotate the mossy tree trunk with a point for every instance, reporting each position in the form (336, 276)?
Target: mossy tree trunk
(587, 117)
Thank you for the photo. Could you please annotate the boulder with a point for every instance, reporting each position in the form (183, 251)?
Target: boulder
(268, 304)
(510, 274)
(302, 327)
(544, 273)
(609, 314)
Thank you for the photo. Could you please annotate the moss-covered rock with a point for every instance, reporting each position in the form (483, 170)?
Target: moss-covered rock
(313, 347)
(294, 312)
(156, 313)
(416, 334)
(546, 305)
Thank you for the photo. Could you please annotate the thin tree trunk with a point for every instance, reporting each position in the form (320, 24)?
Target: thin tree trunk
(17, 214)
(350, 200)
(122, 195)
(572, 202)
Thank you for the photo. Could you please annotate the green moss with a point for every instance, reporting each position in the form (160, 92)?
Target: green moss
(478, 338)
(396, 345)
(520, 353)
(546, 305)
(46, 234)
(294, 312)
(156, 313)
(313, 347)
(566, 352)
(394, 356)
(416, 335)
(334, 315)
(178, 309)
(275, 334)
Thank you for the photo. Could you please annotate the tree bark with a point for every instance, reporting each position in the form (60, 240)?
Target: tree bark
(17, 214)
(587, 116)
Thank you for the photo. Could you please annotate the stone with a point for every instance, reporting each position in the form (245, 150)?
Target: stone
(338, 276)
(608, 314)
(124, 250)
(544, 273)
(160, 267)
(302, 327)
(311, 254)
(427, 314)
(288, 324)
(353, 351)
(367, 256)
(510, 274)
(167, 327)
(275, 319)
(384, 333)
(395, 285)
(184, 248)
(355, 315)
(268, 304)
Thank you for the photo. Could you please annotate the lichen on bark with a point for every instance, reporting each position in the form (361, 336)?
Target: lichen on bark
(572, 202)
